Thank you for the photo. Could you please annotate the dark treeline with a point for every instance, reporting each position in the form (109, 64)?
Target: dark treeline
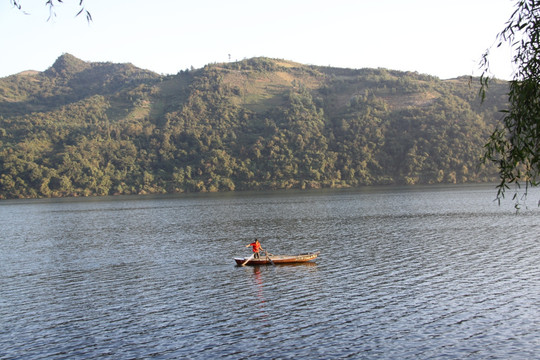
(80, 129)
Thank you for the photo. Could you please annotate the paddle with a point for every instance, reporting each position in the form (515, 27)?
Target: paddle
(248, 259)
(268, 258)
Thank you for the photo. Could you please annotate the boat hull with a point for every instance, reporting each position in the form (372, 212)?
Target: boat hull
(278, 259)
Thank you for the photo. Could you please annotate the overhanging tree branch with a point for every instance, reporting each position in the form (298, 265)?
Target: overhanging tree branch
(51, 4)
(515, 146)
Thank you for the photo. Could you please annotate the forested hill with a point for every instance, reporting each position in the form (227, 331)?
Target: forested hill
(80, 128)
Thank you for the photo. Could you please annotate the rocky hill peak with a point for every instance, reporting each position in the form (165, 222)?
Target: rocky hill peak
(68, 64)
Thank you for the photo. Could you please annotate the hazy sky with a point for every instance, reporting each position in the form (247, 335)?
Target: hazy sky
(436, 37)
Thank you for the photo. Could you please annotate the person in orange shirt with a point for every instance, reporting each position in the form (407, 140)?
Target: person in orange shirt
(256, 245)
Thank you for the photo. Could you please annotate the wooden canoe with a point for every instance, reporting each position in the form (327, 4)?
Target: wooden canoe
(279, 259)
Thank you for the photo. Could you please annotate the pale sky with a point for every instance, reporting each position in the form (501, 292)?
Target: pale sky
(444, 38)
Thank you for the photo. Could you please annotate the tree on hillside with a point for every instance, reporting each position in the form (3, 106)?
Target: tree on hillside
(51, 4)
(515, 147)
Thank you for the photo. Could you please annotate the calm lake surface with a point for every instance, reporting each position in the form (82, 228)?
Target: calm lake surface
(432, 272)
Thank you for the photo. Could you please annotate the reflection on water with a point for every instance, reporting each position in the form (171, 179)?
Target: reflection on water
(437, 273)
(258, 285)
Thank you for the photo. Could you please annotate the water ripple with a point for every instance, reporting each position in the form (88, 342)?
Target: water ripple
(401, 275)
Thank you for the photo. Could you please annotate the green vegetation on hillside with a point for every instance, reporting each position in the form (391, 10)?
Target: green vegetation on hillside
(81, 129)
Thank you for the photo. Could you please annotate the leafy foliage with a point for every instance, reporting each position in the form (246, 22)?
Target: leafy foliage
(515, 147)
(51, 4)
(81, 129)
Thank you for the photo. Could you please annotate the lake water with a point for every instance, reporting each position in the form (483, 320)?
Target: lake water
(423, 273)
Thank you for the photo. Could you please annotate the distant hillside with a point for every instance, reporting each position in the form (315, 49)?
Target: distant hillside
(80, 128)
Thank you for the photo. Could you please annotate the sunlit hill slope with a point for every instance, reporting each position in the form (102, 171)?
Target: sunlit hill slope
(80, 128)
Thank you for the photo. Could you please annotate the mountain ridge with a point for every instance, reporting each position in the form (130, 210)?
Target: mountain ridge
(81, 128)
